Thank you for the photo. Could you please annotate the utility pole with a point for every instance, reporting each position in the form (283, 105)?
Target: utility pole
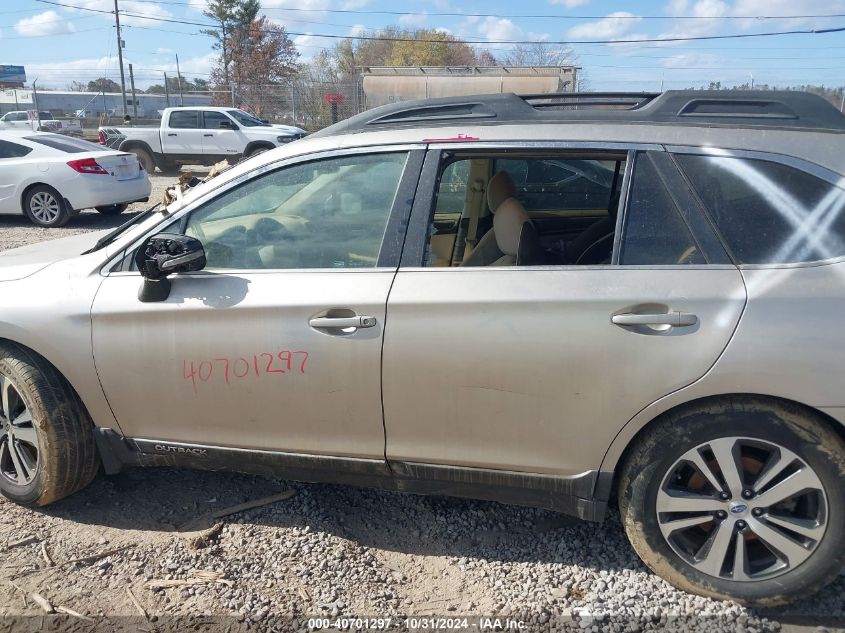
(35, 103)
(842, 105)
(120, 58)
(179, 75)
(134, 101)
(166, 91)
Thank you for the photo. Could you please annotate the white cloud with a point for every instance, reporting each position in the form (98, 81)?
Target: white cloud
(570, 4)
(614, 26)
(692, 60)
(413, 19)
(307, 45)
(499, 29)
(783, 8)
(357, 30)
(47, 23)
(142, 10)
(295, 4)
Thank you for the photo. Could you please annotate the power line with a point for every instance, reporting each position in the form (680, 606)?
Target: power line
(487, 42)
(457, 14)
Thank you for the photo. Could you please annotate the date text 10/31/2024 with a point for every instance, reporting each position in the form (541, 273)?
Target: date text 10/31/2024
(257, 365)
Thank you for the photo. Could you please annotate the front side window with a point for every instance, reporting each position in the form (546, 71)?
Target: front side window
(329, 213)
(184, 119)
(247, 120)
(767, 212)
(212, 120)
(654, 233)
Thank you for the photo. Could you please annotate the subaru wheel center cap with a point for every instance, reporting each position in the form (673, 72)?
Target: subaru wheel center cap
(739, 509)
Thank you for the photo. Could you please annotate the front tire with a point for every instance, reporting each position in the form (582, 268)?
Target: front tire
(47, 448)
(113, 209)
(738, 499)
(45, 207)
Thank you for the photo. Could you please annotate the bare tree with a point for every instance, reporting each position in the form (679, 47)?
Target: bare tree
(540, 54)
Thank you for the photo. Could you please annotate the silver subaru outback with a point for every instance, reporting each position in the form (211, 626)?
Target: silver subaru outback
(553, 300)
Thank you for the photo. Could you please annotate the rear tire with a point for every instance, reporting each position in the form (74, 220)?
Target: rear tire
(170, 169)
(113, 209)
(756, 563)
(45, 207)
(145, 158)
(47, 448)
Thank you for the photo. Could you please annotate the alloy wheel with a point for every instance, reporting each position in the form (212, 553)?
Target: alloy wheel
(45, 207)
(742, 509)
(18, 437)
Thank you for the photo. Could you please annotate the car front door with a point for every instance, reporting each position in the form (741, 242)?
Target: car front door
(276, 345)
(534, 369)
(182, 135)
(221, 141)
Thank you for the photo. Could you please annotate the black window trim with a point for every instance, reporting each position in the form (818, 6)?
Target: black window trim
(801, 164)
(28, 149)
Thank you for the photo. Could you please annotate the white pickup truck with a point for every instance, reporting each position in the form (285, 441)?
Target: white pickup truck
(39, 121)
(197, 136)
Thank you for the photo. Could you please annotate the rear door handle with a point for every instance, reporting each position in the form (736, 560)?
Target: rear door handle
(342, 322)
(172, 134)
(208, 134)
(675, 319)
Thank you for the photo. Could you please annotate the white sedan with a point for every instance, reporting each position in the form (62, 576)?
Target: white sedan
(50, 177)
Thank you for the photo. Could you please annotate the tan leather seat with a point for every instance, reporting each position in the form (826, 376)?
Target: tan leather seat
(500, 245)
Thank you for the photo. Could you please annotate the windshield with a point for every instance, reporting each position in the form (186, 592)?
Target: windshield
(247, 120)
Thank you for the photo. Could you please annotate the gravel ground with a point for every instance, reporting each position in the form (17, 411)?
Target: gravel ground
(329, 552)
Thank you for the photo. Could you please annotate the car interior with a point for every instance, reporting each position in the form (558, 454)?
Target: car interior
(507, 210)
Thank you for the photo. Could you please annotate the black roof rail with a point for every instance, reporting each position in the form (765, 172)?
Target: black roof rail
(741, 108)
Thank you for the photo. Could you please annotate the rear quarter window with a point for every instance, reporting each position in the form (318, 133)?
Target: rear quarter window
(767, 212)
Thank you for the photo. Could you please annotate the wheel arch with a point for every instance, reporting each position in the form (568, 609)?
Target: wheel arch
(98, 411)
(25, 191)
(619, 451)
(254, 145)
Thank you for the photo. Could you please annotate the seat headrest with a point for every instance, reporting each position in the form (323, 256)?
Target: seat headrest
(507, 225)
(499, 189)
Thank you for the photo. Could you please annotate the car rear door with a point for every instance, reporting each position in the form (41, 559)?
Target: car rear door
(535, 369)
(276, 345)
(182, 134)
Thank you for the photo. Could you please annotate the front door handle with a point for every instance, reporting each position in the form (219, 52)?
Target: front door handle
(675, 319)
(208, 134)
(172, 134)
(342, 322)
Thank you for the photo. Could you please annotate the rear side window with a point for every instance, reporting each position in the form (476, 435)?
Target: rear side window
(769, 213)
(13, 150)
(184, 119)
(562, 184)
(654, 232)
(65, 143)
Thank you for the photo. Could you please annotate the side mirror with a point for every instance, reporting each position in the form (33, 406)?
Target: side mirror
(164, 254)
(227, 125)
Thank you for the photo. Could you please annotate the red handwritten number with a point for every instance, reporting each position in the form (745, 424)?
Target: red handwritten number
(189, 375)
(304, 360)
(225, 362)
(255, 364)
(246, 368)
(205, 363)
(284, 356)
(269, 369)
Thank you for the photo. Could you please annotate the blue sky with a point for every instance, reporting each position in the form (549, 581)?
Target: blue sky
(59, 44)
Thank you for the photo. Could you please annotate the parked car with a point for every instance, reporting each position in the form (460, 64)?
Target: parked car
(50, 178)
(45, 122)
(197, 136)
(497, 297)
